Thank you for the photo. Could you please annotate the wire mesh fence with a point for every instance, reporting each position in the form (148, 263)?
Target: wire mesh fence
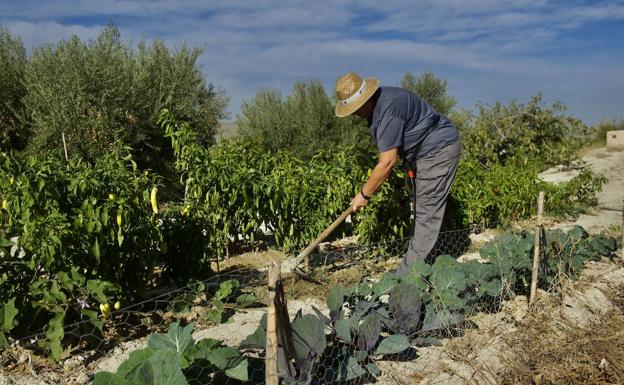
(453, 243)
(199, 303)
(217, 327)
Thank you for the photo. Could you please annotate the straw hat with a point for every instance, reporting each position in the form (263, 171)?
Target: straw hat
(352, 92)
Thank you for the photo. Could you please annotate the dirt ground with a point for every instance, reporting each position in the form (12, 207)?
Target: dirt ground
(572, 336)
(607, 216)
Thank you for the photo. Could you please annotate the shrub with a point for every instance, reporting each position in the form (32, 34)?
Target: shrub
(72, 236)
(236, 188)
(388, 214)
(599, 131)
(13, 130)
(303, 123)
(103, 92)
(528, 131)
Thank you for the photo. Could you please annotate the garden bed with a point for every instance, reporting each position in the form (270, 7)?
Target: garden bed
(492, 349)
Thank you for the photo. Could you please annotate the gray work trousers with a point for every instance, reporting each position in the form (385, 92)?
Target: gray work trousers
(435, 173)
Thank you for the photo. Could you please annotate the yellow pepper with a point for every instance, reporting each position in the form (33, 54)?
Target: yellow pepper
(153, 199)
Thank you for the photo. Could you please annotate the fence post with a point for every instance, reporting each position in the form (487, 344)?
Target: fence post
(623, 229)
(271, 337)
(64, 146)
(536, 249)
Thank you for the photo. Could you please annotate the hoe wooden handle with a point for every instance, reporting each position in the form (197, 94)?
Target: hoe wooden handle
(297, 261)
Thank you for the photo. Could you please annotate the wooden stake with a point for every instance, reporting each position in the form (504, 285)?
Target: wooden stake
(64, 146)
(536, 249)
(623, 230)
(284, 329)
(271, 377)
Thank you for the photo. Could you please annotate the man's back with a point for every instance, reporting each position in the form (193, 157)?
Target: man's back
(403, 120)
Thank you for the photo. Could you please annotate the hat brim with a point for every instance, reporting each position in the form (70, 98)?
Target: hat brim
(342, 110)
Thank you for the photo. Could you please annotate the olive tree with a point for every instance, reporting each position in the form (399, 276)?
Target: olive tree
(103, 92)
(13, 130)
(521, 131)
(432, 89)
(303, 122)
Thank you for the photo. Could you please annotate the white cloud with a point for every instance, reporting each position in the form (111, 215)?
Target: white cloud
(34, 34)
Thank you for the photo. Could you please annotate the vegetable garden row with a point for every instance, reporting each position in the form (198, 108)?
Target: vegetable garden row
(76, 235)
(368, 322)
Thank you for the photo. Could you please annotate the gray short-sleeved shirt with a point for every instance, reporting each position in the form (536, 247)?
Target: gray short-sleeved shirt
(401, 119)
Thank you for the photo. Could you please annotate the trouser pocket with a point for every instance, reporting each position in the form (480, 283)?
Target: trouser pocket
(433, 171)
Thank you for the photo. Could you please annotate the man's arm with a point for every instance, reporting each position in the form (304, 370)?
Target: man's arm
(381, 172)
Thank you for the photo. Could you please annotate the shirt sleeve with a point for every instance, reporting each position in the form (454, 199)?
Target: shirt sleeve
(389, 134)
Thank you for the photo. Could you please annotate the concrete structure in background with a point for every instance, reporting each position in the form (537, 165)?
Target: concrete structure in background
(615, 139)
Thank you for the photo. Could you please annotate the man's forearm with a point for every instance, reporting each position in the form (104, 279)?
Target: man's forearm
(381, 172)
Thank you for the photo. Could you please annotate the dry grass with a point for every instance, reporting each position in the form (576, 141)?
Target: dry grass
(570, 354)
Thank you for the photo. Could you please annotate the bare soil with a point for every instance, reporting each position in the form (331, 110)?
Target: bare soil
(607, 216)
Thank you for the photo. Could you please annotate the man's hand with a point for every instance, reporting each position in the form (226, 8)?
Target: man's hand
(358, 201)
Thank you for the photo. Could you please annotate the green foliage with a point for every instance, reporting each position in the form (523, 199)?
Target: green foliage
(387, 216)
(308, 337)
(224, 301)
(573, 197)
(564, 254)
(175, 358)
(303, 123)
(13, 131)
(257, 339)
(226, 289)
(521, 131)
(246, 300)
(393, 344)
(432, 89)
(428, 302)
(75, 235)
(65, 297)
(102, 92)
(446, 292)
(505, 147)
(236, 188)
(186, 242)
(483, 195)
(8, 311)
(64, 216)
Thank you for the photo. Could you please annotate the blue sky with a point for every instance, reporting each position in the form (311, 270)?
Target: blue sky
(488, 50)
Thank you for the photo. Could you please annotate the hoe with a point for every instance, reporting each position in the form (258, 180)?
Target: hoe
(308, 250)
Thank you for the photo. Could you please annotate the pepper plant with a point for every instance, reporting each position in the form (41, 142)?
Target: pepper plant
(72, 235)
